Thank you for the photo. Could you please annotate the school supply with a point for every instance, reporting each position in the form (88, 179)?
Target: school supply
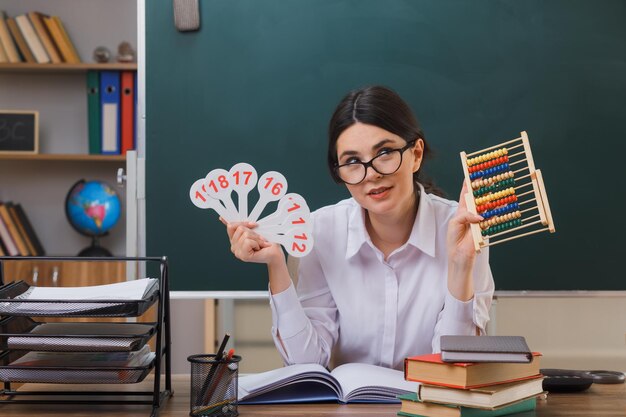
(488, 397)
(289, 225)
(219, 397)
(352, 382)
(411, 406)
(210, 375)
(507, 191)
(485, 349)
(430, 369)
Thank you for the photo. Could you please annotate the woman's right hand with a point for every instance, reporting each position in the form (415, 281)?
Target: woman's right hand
(249, 246)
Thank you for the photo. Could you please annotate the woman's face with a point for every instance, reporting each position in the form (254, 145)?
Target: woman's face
(380, 194)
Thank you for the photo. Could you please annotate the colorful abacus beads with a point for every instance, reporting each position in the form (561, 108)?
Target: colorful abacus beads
(484, 182)
(497, 203)
(501, 227)
(495, 196)
(500, 210)
(487, 156)
(489, 171)
(500, 219)
(509, 182)
(488, 164)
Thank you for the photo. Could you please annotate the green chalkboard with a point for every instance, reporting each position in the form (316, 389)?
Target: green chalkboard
(260, 79)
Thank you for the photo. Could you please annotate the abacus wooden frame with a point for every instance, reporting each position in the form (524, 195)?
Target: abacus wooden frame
(539, 193)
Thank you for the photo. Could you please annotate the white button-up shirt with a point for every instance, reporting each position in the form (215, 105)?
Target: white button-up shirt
(352, 302)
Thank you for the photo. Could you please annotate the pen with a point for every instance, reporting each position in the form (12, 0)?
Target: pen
(207, 381)
(223, 367)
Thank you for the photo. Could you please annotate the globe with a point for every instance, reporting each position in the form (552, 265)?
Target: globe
(93, 208)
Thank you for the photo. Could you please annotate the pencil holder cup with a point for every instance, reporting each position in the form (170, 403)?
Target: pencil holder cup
(213, 385)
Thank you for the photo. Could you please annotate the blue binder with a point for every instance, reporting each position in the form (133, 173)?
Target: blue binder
(110, 108)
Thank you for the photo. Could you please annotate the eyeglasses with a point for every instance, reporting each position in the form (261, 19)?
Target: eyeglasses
(387, 162)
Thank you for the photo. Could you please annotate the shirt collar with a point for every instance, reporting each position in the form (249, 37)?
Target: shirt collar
(422, 235)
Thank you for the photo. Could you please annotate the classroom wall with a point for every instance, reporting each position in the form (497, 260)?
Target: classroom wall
(572, 333)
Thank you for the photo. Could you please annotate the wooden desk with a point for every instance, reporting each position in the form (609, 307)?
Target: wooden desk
(598, 401)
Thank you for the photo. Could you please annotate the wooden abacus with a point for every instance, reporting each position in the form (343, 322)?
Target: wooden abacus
(507, 191)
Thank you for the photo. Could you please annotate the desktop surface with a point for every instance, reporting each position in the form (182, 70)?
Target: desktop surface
(598, 401)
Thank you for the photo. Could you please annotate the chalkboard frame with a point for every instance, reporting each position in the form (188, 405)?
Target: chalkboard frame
(33, 136)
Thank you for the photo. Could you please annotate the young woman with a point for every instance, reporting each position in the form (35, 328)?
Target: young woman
(393, 268)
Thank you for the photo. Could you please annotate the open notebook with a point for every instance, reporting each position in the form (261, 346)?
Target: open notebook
(352, 382)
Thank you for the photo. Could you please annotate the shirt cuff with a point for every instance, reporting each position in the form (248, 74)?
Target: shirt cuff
(458, 316)
(287, 314)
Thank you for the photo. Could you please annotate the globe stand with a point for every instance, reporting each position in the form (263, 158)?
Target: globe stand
(95, 249)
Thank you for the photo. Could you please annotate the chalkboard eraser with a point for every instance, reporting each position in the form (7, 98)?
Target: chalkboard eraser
(186, 15)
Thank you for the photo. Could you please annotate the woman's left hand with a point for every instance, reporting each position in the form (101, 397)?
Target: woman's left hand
(461, 252)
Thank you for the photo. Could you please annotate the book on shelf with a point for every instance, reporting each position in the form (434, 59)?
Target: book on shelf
(20, 227)
(28, 228)
(33, 41)
(488, 397)
(412, 406)
(9, 246)
(352, 382)
(485, 349)
(13, 230)
(65, 49)
(36, 18)
(430, 369)
(68, 40)
(3, 55)
(22, 46)
(7, 41)
(8, 234)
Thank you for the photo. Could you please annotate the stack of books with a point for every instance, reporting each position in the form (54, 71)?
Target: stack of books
(35, 37)
(17, 236)
(495, 382)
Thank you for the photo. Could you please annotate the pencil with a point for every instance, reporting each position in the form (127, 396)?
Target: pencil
(223, 367)
(209, 377)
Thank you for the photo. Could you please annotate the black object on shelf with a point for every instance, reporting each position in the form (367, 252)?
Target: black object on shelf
(19, 335)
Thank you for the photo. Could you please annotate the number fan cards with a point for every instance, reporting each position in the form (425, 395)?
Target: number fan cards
(289, 225)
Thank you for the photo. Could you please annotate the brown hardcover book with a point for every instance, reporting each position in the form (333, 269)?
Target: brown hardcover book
(20, 41)
(59, 40)
(7, 240)
(39, 250)
(20, 228)
(36, 19)
(67, 38)
(491, 396)
(7, 40)
(430, 369)
(15, 234)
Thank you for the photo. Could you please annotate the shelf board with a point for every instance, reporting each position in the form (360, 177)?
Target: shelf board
(63, 157)
(82, 67)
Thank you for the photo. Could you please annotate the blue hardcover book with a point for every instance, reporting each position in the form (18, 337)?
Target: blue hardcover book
(110, 110)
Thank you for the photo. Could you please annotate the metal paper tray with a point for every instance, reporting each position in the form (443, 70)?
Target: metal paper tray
(11, 304)
(22, 333)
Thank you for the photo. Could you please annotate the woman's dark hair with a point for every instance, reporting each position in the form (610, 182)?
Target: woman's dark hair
(382, 107)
